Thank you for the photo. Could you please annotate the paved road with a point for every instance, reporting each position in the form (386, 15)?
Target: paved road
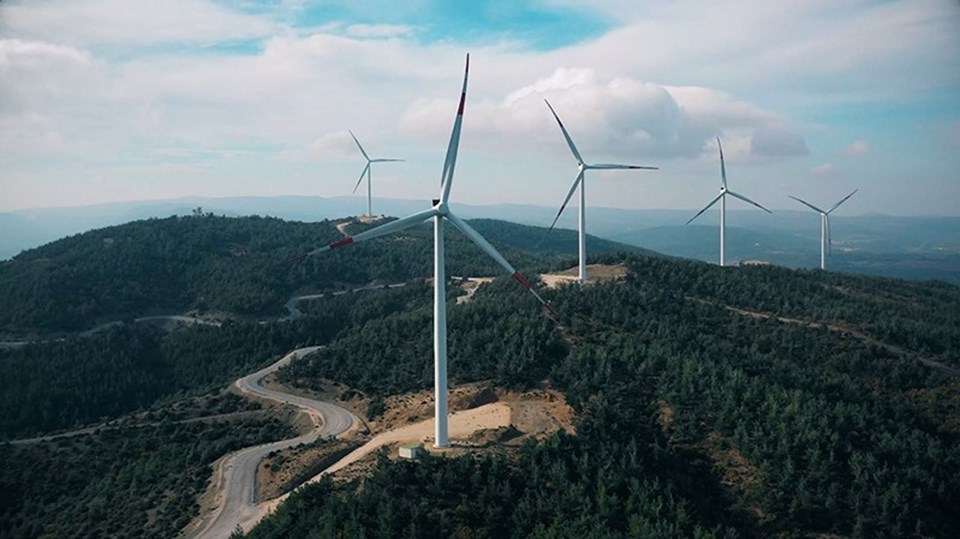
(295, 311)
(236, 475)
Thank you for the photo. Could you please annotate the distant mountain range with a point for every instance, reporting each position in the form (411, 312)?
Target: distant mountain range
(907, 247)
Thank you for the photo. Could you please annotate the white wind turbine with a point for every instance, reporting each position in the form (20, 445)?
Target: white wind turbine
(582, 167)
(367, 170)
(825, 236)
(722, 197)
(440, 212)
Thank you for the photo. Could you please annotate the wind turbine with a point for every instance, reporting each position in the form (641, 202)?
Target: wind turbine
(440, 212)
(366, 170)
(825, 237)
(582, 168)
(722, 197)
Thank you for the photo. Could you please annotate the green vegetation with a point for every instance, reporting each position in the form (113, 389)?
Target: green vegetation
(65, 384)
(209, 263)
(128, 482)
(711, 402)
(838, 428)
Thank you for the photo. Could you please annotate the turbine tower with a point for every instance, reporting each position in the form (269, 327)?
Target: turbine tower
(367, 169)
(722, 197)
(440, 213)
(825, 236)
(582, 168)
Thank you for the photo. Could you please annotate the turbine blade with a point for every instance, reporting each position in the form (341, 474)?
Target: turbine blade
(747, 200)
(387, 160)
(395, 226)
(382, 230)
(609, 166)
(573, 147)
(365, 169)
(450, 162)
(485, 246)
(365, 156)
(723, 168)
(705, 208)
(807, 204)
(563, 206)
(842, 200)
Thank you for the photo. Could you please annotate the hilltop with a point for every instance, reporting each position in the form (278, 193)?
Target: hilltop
(235, 266)
(886, 245)
(705, 401)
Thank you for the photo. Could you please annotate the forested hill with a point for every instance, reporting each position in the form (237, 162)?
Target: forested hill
(236, 265)
(711, 402)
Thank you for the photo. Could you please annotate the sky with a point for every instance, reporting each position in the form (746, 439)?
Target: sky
(110, 100)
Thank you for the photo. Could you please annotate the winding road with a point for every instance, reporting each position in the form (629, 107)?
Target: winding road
(235, 474)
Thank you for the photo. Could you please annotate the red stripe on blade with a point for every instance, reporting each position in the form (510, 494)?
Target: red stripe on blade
(298, 259)
(463, 99)
(345, 241)
(521, 280)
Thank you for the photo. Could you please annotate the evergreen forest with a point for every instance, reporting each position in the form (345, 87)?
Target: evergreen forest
(710, 402)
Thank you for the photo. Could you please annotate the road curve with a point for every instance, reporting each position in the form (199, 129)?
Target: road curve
(236, 474)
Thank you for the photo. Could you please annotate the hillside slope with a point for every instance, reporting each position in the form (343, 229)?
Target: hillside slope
(710, 402)
(233, 265)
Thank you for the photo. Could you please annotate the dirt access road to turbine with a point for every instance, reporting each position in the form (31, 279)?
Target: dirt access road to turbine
(235, 475)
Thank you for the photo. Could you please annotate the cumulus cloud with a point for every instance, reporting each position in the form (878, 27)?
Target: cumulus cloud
(118, 22)
(858, 147)
(826, 170)
(337, 145)
(620, 115)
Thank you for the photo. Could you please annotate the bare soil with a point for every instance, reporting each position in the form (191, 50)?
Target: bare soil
(483, 418)
(596, 273)
(283, 471)
(470, 286)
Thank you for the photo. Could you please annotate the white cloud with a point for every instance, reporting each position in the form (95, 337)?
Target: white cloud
(619, 116)
(826, 170)
(337, 145)
(858, 147)
(96, 81)
(118, 22)
(380, 30)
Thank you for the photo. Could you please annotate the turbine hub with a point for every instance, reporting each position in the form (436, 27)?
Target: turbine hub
(442, 208)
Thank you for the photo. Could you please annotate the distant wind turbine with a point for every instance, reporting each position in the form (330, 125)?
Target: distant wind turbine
(722, 197)
(440, 212)
(825, 236)
(582, 167)
(367, 170)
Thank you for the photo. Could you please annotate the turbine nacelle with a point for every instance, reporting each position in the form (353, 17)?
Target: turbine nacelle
(582, 167)
(367, 170)
(440, 212)
(722, 198)
(826, 238)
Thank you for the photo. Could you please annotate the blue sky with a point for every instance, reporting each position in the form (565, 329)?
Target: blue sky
(104, 100)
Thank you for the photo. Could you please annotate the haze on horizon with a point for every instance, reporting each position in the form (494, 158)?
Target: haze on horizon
(103, 102)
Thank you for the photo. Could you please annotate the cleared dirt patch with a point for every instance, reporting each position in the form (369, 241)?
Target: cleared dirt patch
(738, 476)
(470, 286)
(596, 273)
(665, 417)
(282, 471)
